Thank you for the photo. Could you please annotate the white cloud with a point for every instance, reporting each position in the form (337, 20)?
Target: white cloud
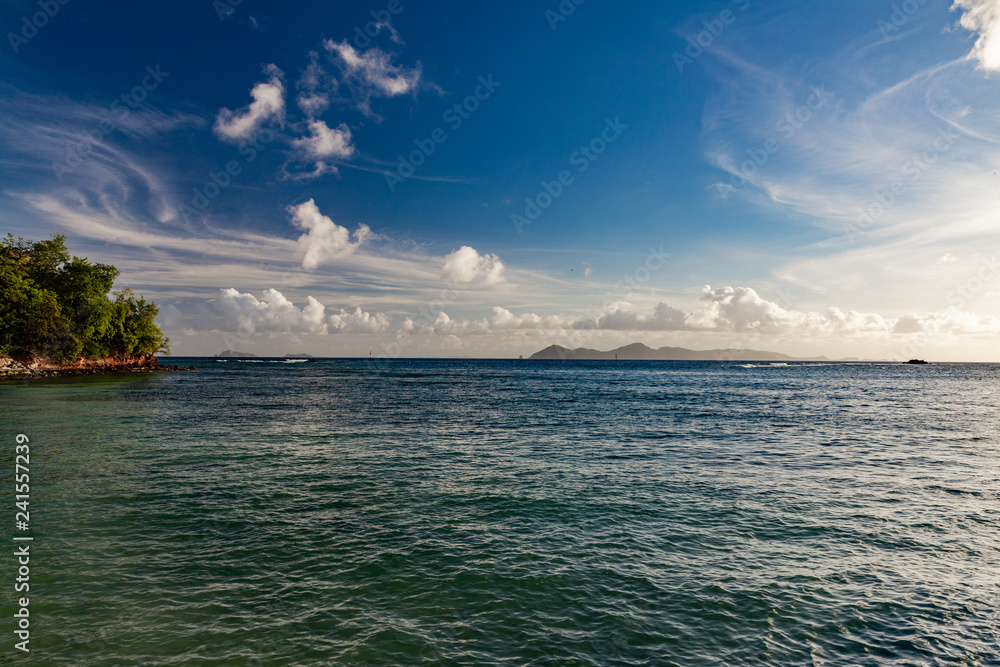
(324, 142)
(983, 17)
(741, 309)
(315, 86)
(312, 104)
(268, 106)
(374, 67)
(358, 321)
(372, 72)
(621, 316)
(324, 239)
(726, 310)
(465, 265)
(274, 313)
(503, 319)
(948, 259)
(951, 321)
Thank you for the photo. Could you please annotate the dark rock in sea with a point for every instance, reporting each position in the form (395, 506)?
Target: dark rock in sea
(917, 362)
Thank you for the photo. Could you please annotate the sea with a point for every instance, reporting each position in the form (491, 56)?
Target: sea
(462, 512)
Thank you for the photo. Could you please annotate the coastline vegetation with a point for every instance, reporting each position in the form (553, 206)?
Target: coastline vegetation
(60, 308)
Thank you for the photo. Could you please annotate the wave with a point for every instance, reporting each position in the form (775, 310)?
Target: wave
(271, 361)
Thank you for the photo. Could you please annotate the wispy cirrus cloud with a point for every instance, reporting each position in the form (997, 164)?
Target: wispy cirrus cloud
(895, 172)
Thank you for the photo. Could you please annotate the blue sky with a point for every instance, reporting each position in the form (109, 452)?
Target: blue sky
(482, 180)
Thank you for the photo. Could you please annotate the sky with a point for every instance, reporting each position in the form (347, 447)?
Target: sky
(418, 179)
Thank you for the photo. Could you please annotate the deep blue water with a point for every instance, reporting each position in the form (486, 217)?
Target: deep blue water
(513, 512)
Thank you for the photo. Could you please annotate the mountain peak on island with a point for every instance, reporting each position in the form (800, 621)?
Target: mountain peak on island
(641, 352)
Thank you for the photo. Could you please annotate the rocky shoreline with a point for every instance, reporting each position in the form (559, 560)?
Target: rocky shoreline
(9, 368)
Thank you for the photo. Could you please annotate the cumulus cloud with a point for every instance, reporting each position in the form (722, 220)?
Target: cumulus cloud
(983, 17)
(951, 321)
(324, 239)
(465, 266)
(358, 321)
(741, 309)
(622, 316)
(372, 73)
(723, 310)
(268, 106)
(273, 313)
(503, 319)
(324, 142)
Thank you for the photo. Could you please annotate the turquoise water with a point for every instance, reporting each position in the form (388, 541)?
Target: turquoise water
(544, 513)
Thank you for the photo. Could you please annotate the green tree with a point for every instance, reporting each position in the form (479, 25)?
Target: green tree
(56, 306)
(132, 330)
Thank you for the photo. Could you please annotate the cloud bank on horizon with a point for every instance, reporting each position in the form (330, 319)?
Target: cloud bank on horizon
(834, 168)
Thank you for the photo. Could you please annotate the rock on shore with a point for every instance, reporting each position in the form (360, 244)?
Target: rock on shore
(104, 366)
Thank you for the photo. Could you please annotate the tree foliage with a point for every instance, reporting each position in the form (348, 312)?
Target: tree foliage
(56, 306)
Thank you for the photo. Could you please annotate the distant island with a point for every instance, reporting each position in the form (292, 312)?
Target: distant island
(56, 317)
(640, 352)
(233, 354)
